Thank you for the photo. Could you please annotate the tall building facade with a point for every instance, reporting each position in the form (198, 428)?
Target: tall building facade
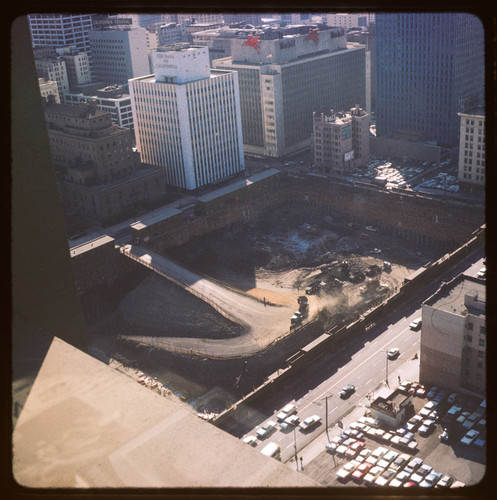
(187, 118)
(100, 176)
(62, 30)
(471, 171)
(77, 66)
(288, 73)
(351, 20)
(430, 66)
(54, 69)
(341, 140)
(119, 54)
(453, 336)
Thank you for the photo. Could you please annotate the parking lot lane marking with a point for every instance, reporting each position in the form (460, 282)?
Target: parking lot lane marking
(353, 370)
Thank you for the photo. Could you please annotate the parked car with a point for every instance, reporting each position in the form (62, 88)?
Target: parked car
(481, 440)
(286, 411)
(310, 422)
(481, 273)
(452, 399)
(346, 471)
(445, 482)
(414, 465)
(462, 417)
(415, 324)
(421, 391)
(431, 479)
(347, 391)
(361, 471)
(251, 440)
(371, 476)
(385, 477)
(432, 392)
(469, 437)
(266, 429)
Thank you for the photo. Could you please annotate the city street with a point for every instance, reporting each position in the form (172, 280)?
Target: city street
(362, 362)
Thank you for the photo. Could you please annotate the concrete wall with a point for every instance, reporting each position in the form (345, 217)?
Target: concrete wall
(387, 146)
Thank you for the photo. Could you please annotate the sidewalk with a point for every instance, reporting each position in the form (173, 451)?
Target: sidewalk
(407, 371)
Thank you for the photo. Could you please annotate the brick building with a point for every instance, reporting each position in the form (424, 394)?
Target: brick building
(101, 177)
(341, 140)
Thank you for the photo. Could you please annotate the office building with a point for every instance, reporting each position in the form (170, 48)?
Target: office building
(285, 75)
(101, 178)
(61, 30)
(200, 17)
(453, 336)
(471, 171)
(48, 88)
(54, 69)
(113, 99)
(187, 118)
(351, 20)
(119, 54)
(341, 140)
(430, 67)
(77, 66)
(171, 33)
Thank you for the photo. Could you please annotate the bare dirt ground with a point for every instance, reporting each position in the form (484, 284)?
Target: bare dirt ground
(272, 259)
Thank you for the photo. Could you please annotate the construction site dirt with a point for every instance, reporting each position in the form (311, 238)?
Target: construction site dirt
(341, 268)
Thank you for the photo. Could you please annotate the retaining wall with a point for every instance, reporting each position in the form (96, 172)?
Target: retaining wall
(329, 340)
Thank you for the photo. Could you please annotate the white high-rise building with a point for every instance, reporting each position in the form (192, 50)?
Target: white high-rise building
(187, 118)
(77, 66)
(471, 172)
(352, 20)
(54, 69)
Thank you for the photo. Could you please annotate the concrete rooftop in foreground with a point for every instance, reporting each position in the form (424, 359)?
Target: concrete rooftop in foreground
(85, 425)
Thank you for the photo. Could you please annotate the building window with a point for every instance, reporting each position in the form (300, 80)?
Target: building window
(481, 342)
(470, 326)
(483, 330)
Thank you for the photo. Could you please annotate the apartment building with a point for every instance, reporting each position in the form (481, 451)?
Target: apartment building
(187, 118)
(453, 336)
(471, 171)
(341, 140)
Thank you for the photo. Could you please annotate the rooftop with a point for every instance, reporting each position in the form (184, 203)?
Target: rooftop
(87, 425)
(452, 297)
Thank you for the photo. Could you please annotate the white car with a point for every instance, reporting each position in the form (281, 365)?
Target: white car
(481, 273)
(393, 352)
(251, 440)
(416, 324)
(266, 429)
(286, 411)
(289, 422)
(309, 422)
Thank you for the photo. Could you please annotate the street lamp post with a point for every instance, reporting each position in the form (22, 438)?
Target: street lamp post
(295, 447)
(326, 415)
(386, 368)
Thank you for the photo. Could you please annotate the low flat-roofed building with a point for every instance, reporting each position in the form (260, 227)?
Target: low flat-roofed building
(392, 410)
(453, 336)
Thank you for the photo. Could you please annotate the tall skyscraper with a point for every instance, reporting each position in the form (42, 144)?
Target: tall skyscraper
(119, 54)
(61, 30)
(430, 66)
(286, 74)
(187, 118)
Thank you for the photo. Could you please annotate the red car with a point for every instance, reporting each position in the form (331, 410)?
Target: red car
(354, 449)
(409, 484)
(421, 391)
(361, 471)
(413, 388)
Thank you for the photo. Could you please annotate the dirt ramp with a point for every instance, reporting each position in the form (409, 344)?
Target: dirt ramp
(158, 307)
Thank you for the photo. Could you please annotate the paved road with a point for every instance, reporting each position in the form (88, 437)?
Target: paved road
(362, 362)
(263, 323)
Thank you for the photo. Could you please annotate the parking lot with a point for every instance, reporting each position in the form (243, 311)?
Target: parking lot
(464, 464)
